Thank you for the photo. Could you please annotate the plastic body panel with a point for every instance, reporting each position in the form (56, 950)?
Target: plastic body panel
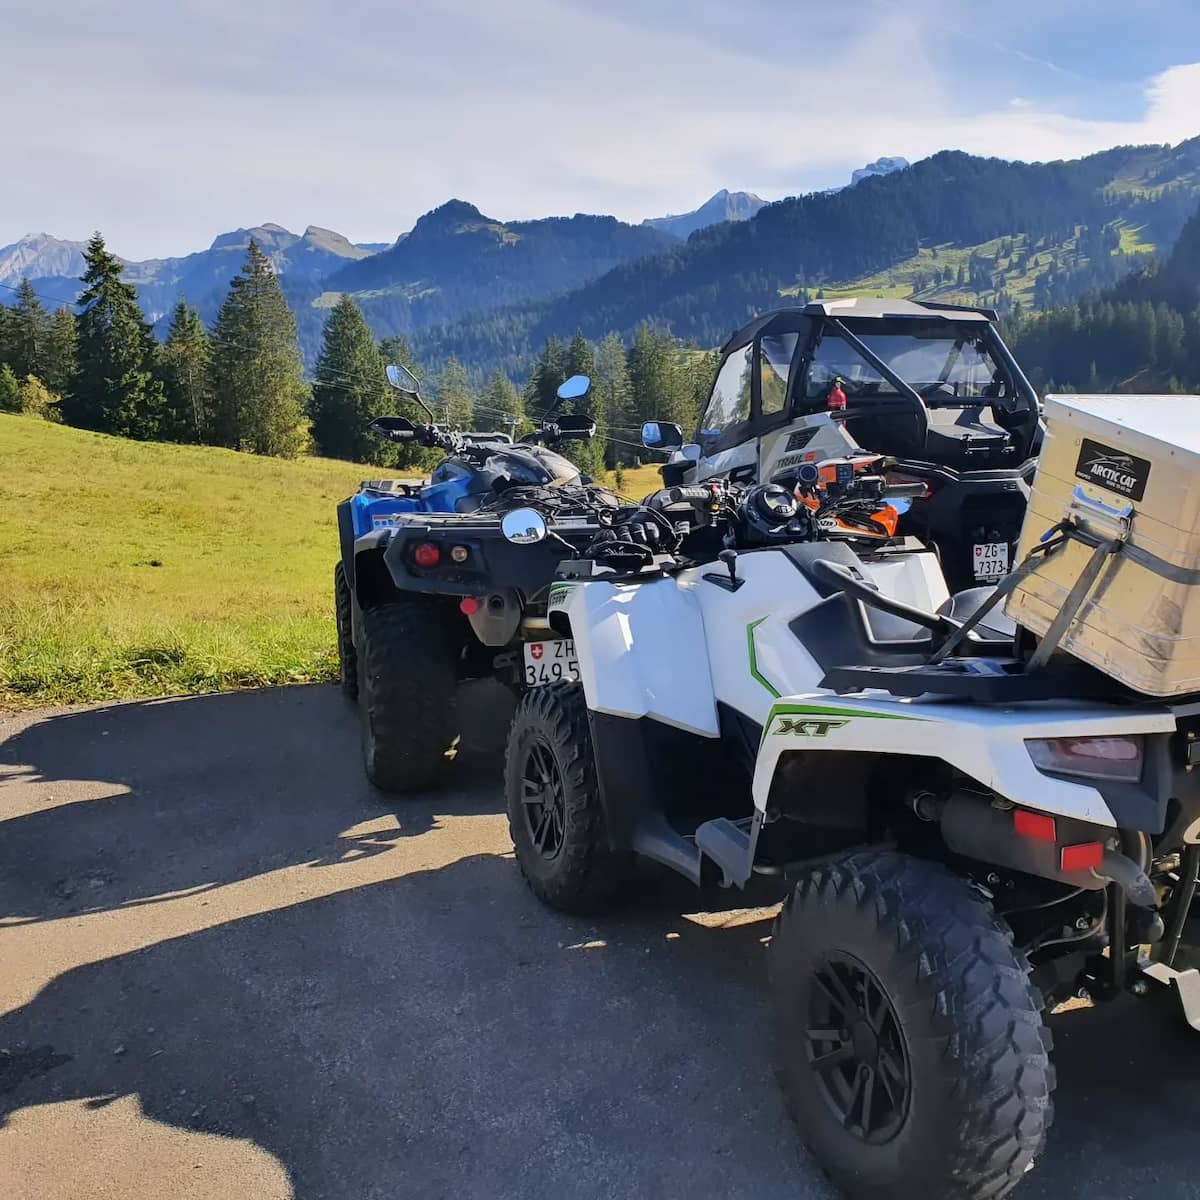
(985, 742)
(670, 648)
(680, 650)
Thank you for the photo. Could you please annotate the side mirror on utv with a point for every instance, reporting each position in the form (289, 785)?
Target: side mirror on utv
(662, 435)
(397, 429)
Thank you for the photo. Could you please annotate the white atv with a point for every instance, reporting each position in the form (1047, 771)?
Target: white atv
(932, 385)
(971, 833)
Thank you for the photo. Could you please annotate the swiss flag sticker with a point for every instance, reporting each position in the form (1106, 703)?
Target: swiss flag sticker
(537, 649)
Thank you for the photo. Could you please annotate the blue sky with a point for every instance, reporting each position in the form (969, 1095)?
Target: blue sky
(164, 124)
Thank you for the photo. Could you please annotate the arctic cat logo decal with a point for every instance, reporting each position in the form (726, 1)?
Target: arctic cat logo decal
(807, 726)
(800, 438)
(1125, 474)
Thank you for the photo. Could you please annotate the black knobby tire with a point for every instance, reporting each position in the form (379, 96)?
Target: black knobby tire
(347, 655)
(408, 664)
(560, 833)
(960, 1075)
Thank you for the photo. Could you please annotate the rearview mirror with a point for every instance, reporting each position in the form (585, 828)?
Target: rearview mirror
(402, 379)
(574, 388)
(661, 435)
(524, 527)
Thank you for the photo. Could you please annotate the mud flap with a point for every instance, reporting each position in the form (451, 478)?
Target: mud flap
(731, 845)
(1187, 985)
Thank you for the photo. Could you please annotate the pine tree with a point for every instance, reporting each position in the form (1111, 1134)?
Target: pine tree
(611, 397)
(580, 358)
(58, 363)
(5, 333)
(501, 406)
(649, 377)
(115, 388)
(350, 389)
(10, 390)
(186, 362)
(455, 403)
(549, 371)
(28, 329)
(395, 349)
(258, 387)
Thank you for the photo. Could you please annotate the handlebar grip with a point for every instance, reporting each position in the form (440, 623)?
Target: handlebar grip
(690, 495)
(904, 489)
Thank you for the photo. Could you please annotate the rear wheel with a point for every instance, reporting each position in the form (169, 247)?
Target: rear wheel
(555, 815)
(908, 1038)
(347, 656)
(407, 685)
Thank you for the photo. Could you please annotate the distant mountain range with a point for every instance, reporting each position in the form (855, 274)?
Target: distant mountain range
(881, 166)
(951, 227)
(724, 206)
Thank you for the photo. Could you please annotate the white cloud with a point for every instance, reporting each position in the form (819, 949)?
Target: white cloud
(163, 125)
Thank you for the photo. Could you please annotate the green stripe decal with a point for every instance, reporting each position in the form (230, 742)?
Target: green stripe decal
(826, 710)
(766, 683)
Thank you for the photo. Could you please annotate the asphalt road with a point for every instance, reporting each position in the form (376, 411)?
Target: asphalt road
(228, 968)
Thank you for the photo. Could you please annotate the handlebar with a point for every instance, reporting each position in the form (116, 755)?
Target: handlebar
(690, 495)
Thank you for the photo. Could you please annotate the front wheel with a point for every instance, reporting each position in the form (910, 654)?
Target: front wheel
(909, 1040)
(555, 814)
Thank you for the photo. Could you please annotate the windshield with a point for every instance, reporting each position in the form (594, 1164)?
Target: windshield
(945, 365)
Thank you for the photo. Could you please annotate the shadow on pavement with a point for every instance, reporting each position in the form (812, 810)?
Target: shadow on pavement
(409, 1021)
(131, 802)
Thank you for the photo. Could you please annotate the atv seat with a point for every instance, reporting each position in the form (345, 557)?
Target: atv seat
(963, 605)
(843, 630)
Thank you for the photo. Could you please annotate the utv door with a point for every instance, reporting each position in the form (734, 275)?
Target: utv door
(750, 396)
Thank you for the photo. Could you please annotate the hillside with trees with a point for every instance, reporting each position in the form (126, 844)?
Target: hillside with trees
(954, 227)
(240, 384)
(1141, 335)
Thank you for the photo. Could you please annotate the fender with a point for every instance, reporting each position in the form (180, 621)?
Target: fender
(641, 651)
(986, 744)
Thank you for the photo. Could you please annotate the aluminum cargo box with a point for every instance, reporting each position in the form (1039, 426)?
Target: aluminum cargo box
(1121, 466)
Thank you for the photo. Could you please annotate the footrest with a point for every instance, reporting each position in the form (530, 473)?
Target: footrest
(1187, 985)
(727, 843)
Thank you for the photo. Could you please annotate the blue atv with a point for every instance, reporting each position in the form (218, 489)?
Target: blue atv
(427, 591)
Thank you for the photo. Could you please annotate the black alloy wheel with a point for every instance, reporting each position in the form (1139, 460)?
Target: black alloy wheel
(543, 800)
(856, 1047)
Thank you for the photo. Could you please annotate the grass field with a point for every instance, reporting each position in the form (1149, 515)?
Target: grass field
(131, 569)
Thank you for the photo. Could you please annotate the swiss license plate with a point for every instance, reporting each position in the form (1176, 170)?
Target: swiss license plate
(550, 662)
(991, 560)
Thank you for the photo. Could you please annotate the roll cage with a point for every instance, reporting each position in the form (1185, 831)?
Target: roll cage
(765, 402)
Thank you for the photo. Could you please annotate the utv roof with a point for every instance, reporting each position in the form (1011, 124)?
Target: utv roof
(880, 309)
(863, 309)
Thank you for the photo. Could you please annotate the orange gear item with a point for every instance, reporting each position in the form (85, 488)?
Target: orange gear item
(836, 400)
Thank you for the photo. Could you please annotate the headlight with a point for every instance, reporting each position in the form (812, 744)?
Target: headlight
(1115, 757)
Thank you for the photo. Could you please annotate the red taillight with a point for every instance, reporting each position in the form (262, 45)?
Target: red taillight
(427, 554)
(1033, 825)
(1083, 857)
(468, 605)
